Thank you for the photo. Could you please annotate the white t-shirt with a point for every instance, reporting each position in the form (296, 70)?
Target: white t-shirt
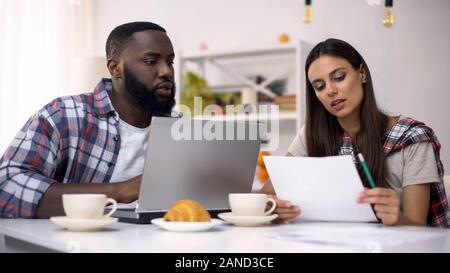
(133, 144)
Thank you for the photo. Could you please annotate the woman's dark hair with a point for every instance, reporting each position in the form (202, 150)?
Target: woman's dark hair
(323, 132)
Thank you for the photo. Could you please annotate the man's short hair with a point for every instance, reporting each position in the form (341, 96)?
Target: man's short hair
(122, 35)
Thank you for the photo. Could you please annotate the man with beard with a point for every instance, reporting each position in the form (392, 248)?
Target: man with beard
(93, 142)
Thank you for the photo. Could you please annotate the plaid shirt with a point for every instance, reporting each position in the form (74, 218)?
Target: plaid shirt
(408, 131)
(73, 139)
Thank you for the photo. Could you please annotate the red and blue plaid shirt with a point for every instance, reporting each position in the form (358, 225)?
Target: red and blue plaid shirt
(405, 132)
(73, 139)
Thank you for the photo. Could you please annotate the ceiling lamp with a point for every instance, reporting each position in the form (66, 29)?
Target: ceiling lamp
(389, 18)
(308, 12)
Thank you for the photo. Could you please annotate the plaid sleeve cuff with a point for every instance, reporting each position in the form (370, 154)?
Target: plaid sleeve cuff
(20, 193)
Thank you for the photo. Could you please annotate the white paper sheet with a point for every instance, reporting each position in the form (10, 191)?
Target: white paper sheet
(324, 188)
(364, 237)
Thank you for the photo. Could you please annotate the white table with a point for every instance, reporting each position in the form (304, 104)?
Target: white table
(18, 235)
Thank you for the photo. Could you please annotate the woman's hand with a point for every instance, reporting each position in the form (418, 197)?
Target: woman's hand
(386, 204)
(285, 210)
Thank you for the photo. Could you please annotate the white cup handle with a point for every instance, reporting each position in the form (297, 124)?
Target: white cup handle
(274, 205)
(114, 203)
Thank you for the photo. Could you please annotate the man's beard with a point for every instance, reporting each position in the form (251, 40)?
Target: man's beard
(147, 98)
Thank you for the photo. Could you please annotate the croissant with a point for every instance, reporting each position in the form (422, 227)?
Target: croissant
(187, 211)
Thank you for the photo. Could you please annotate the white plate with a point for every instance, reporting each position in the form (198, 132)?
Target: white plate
(186, 226)
(75, 224)
(247, 221)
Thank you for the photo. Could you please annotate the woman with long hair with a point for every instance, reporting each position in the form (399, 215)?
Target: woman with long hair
(342, 117)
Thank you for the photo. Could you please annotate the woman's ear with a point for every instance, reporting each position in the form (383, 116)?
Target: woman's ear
(362, 72)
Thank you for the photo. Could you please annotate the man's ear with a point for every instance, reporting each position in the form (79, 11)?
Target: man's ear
(114, 69)
(362, 71)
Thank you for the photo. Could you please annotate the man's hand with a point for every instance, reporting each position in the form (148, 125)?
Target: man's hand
(128, 191)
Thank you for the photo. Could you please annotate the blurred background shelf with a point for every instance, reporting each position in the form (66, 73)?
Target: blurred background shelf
(200, 56)
(249, 76)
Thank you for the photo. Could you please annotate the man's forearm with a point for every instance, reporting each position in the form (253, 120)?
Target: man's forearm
(51, 202)
(123, 192)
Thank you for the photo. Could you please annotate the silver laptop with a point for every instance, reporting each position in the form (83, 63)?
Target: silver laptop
(202, 160)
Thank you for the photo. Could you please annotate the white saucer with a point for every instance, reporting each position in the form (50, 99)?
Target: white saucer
(76, 224)
(186, 226)
(247, 221)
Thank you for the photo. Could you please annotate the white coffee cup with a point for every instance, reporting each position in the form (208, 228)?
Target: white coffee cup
(250, 204)
(87, 206)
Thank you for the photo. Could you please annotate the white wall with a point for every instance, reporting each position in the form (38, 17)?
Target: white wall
(409, 62)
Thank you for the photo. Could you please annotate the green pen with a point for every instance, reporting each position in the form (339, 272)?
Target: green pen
(366, 170)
